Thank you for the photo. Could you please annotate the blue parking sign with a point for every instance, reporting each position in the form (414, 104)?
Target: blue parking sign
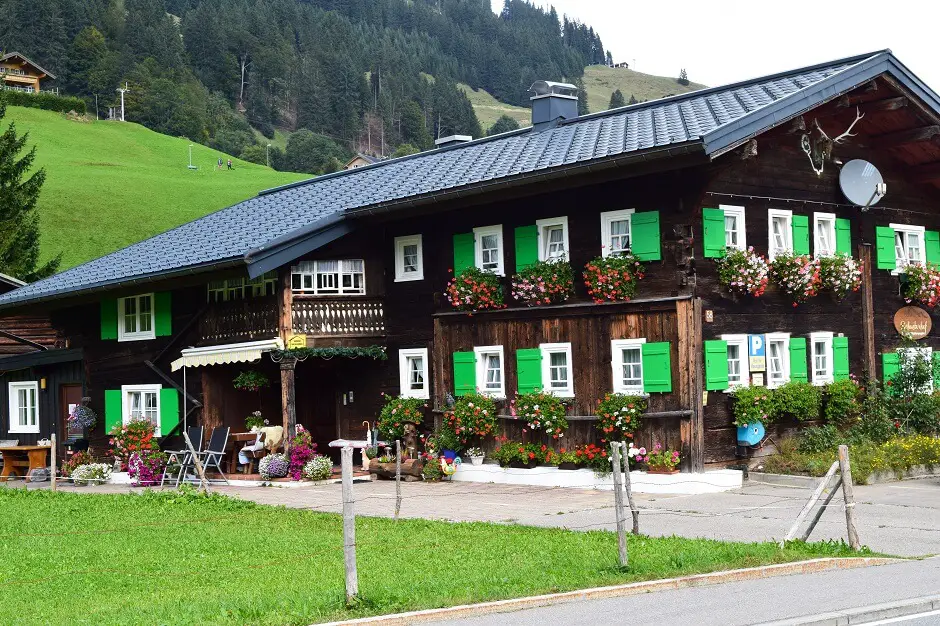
(756, 353)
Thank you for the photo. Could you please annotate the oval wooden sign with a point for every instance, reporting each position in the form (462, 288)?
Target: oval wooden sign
(912, 321)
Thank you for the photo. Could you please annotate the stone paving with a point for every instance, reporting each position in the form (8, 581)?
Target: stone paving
(900, 518)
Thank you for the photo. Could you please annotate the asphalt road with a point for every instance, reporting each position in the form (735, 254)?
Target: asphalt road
(744, 603)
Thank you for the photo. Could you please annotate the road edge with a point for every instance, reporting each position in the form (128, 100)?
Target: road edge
(866, 614)
(613, 591)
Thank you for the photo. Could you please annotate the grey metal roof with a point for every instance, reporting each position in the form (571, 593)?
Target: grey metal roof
(712, 120)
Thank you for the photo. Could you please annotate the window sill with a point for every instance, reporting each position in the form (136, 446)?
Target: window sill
(22, 431)
(408, 279)
(417, 396)
(633, 392)
(137, 337)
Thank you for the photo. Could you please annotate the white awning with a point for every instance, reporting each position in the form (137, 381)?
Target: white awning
(228, 353)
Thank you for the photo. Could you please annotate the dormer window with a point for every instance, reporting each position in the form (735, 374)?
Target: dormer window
(319, 278)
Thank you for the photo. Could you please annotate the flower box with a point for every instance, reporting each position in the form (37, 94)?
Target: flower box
(661, 470)
(568, 466)
(522, 465)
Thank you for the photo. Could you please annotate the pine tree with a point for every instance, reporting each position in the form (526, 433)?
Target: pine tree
(582, 97)
(683, 78)
(19, 237)
(616, 100)
(632, 100)
(610, 59)
(503, 125)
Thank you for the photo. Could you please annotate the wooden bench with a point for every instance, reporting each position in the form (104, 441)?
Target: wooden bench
(17, 457)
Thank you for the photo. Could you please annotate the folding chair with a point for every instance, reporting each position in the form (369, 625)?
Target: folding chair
(183, 457)
(214, 454)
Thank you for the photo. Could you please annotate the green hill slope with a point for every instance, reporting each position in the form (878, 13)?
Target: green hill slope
(600, 81)
(489, 109)
(110, 184)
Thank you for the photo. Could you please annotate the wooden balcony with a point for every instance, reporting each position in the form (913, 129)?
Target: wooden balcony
(339, 317)
(316, 317)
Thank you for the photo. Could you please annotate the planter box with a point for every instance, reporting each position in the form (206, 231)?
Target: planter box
(521, 465)
(663, 470)
(567, 466)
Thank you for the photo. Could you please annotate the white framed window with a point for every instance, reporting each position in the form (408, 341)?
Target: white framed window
(739, 373)
(320, 278)
(553, 238)
(488, 248)
(627, 365)
(779, 232)
(491, 371)
(242, 288)
(409, 258)
(820, 346)
(615, 232)
(557, 370)
(908, 246)
(135, 318)
(24, 407)
(735, 233)
(778, 359)
(413, 373)
(142, 402)
(824, 234)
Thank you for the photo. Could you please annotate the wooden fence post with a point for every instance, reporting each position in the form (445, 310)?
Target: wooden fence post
(809, 504)
(848, 494)
(397, 477)
(52, 458)
(821, 510)
(634, 512)
(203, 482)
(349, 528)
(618, 504)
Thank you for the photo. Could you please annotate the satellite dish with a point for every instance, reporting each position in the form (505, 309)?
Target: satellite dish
(861, 183)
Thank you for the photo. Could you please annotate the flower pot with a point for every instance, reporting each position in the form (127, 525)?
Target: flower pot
(567, 466)
(450, 455)
(477, 460)
(522, 465)
(751, 434)
(661, 470)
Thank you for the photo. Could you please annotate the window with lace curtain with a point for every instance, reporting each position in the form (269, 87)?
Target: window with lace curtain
(553, 238)
(341, 277)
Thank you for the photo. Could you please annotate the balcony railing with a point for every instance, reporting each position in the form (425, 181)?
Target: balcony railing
(240, 320)
(347, 317)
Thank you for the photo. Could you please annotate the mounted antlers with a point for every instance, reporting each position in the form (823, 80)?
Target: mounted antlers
(820, 150)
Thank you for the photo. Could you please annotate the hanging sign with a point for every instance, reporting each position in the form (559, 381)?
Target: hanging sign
(756, 353)
(912, 321)
(297, 341)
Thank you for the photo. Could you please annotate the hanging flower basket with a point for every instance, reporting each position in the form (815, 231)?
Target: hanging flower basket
(475, 290)
(840, 274)
(618, 416)
(921, 284)
(743, 272)
(613, 279)
(797, 275)
(546, 282)
(542, 412)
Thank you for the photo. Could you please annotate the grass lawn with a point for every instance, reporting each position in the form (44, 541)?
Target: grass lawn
(110, 184)
(600, 81)
(173, 558)
(489, 109)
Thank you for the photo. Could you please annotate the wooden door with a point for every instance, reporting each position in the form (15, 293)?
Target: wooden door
(316, 402)
(70, 396)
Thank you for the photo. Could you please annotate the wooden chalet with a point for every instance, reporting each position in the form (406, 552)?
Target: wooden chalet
(20, 74)
(358, 261)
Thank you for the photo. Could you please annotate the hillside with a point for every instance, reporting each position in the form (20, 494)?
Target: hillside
(110, 184)
(488, 109)
(600, 81)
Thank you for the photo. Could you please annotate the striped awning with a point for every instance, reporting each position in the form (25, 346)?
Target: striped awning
(228, 353)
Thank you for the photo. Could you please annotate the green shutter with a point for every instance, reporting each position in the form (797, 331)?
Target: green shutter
(163, 313)
(713, 224)
(109, 318)
(840, 358)
(932, 245)
(644, 242)
(113, 409)
(527, 246)
(884, 241)
(657, 368)
(529, 369)
(843, 236)
(465, 373)
(798, 359)
(890, 365)
(169, 410)
(463, 252)
(800, 226)
(716, 365)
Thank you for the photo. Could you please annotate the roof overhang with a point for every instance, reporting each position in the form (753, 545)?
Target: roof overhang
(295, 244)
(26, 61)
(228, 353)
(39, 358)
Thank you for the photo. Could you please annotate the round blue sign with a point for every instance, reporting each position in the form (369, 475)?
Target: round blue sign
(750, 434)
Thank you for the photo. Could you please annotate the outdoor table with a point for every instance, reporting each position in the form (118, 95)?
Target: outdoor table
(236, 442)
(17, 457)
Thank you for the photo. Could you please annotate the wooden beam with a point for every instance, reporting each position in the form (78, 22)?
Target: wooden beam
(905, 137)
(868, 314)
(887, 104)
(925, 173)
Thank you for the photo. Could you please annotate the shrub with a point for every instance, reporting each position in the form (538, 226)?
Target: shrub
(797, 276)
(843, 401)
(546, 282)
(743, 272)
(819, 439)
(840, 274)
(475, 290)
(135, 436)
(543, 412)
(512, 451)
(302, 449)
(614, 278)
(798, 400)
(432, 468)
(45, 101)
(921, 284)
(594, 457)
(91, 474)
(273, 466)
(751, 405)
(146, 468)
(447, 439)
(318, 468)
(473, 415)
(875, 421)
(618, 416)
(397, 412)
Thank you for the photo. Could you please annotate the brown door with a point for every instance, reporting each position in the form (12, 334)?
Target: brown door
(316, 402)
(70, 396)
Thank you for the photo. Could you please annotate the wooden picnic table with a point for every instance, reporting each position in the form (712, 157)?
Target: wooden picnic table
(17, 457)
(237, 441)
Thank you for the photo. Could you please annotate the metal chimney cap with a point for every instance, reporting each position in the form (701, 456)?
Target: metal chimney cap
(443, 141)
(543, 88)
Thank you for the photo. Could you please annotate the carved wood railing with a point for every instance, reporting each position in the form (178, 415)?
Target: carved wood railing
(339, 317)
(239, 320)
